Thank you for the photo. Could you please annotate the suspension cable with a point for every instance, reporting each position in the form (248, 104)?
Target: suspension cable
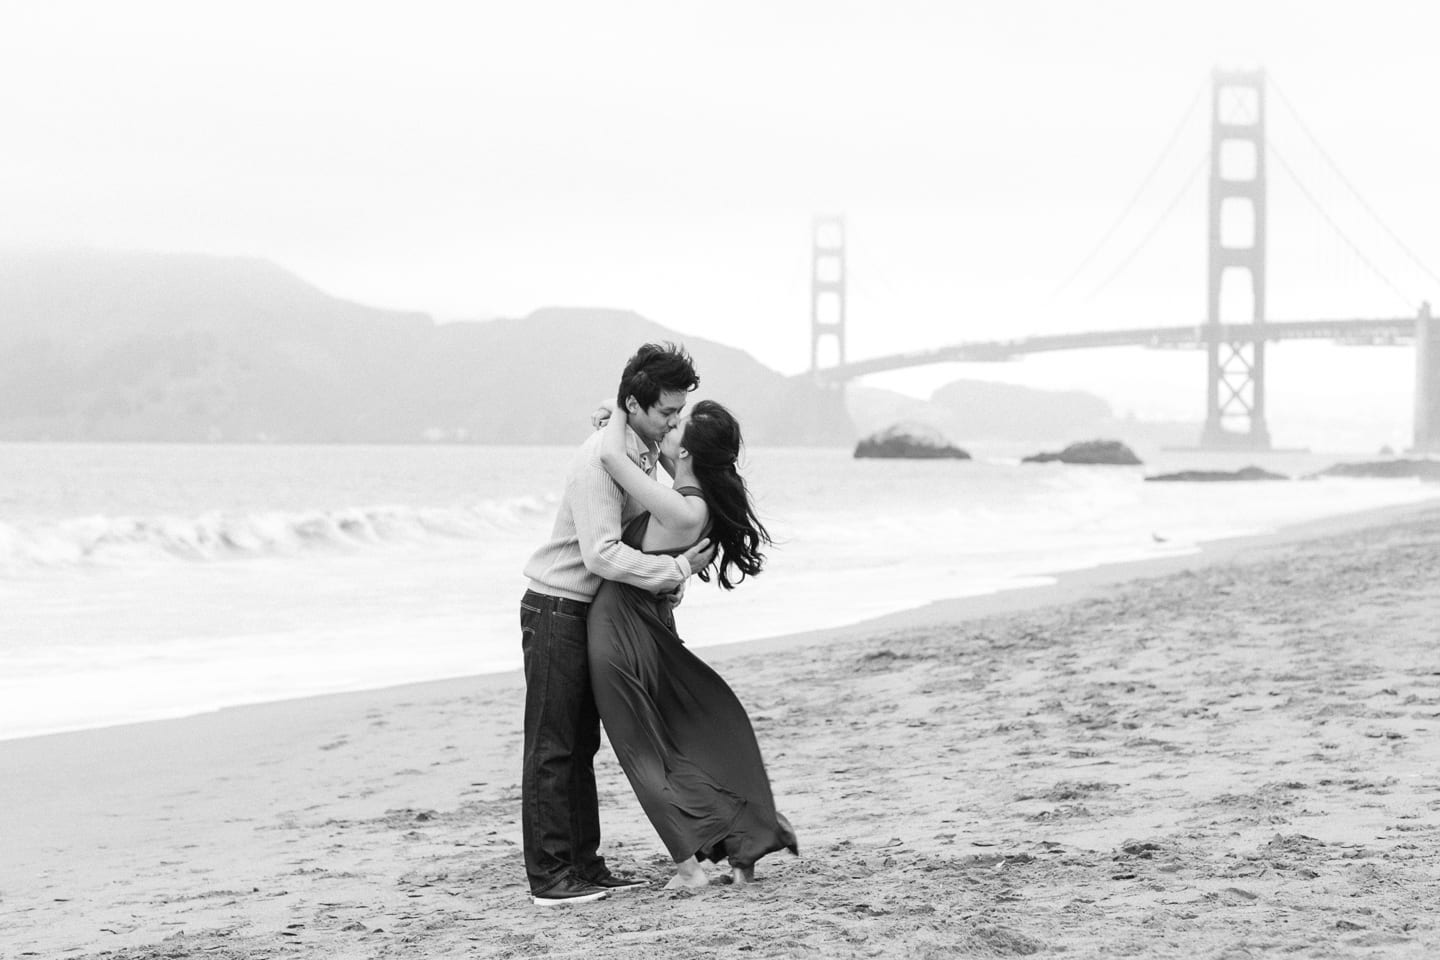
(1145, 240)
(1275, 152)
(1130, 206)
(1324, 155)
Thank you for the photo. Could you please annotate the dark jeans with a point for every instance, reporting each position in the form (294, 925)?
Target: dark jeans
(560, 813)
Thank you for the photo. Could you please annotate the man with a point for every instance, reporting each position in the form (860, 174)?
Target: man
(560, 813)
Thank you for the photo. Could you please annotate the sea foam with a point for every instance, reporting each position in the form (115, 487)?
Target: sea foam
(106, 540)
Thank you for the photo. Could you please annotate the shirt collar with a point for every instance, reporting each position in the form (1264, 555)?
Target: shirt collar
(642, 451)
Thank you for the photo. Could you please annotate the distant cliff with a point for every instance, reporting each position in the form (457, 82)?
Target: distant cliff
(138, 346)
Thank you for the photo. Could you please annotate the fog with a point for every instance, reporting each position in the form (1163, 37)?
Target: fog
(1004, 169)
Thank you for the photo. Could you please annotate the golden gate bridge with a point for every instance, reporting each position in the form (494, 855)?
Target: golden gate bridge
(1235, 345)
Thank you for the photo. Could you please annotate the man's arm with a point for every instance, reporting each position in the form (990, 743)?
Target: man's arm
(596, 501)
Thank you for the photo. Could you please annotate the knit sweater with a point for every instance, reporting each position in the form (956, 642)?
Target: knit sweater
(584, 547)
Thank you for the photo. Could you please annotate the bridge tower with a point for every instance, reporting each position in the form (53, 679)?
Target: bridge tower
(1427, 382)
(827, 288)
(1235, 401)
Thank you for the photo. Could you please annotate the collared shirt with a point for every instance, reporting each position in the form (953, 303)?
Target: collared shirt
(584, 548)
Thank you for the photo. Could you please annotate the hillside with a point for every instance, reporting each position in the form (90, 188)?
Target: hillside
(160, 347)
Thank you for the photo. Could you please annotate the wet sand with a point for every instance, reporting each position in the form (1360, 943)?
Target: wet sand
(1227, 755)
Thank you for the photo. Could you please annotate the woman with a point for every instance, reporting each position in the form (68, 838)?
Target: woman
(678, 730)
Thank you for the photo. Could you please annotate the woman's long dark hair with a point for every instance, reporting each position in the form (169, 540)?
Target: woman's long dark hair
(712, 438)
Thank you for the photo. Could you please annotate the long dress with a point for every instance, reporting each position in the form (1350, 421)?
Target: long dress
(678, 730)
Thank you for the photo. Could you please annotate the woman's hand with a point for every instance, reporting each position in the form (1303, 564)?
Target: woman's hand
(613, 426)
(603, 413)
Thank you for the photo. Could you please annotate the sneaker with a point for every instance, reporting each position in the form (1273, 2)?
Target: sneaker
(569, 890)
(609, 881)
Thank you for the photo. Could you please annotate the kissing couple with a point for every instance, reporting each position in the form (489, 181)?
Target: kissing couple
(600, 644)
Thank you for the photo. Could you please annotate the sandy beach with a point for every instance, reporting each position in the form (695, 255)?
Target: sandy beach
(1231, 754)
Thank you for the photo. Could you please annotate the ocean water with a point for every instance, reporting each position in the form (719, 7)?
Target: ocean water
(148, 581)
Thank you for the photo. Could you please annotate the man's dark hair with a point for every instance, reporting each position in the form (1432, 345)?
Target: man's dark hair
(656, 368)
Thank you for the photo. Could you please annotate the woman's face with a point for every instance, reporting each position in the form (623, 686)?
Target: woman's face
(670, 444)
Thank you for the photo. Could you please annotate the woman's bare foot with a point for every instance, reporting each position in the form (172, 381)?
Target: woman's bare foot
(688, 874)
(743, 875)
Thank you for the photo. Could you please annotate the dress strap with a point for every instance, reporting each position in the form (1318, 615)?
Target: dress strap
(690, 492)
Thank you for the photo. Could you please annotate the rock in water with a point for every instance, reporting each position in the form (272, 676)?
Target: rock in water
(912, 441)
(1219, 476)
(1090, 451)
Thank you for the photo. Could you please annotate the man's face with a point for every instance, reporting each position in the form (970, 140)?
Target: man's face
(654, 423)
(670, 446)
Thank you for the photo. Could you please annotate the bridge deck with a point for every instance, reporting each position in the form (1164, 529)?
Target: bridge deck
(1385, 331)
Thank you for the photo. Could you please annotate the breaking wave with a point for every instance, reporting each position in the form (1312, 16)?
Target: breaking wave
(105, 540)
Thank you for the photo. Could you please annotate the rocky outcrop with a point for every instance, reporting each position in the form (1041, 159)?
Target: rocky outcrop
(1424, 469)
(911, 441)
(1109, 452)
(1218, 476)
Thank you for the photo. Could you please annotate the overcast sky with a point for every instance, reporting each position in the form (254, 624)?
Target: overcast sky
(478, 159)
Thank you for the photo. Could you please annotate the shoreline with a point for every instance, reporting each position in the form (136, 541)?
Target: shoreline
(1066, 585)
(1220, 753)
(1069, 586)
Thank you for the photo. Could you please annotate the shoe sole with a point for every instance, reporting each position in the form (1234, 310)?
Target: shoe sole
(561, 901)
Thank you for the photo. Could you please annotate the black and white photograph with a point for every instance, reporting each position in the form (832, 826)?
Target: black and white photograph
(672, 479)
